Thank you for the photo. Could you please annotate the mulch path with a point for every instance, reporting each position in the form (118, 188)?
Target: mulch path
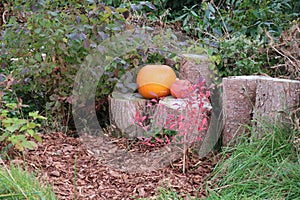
(73, 171)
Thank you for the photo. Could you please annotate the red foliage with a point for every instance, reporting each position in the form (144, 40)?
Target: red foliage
(190, 122)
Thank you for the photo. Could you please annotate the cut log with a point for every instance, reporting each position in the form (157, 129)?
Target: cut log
(193, 67)
(250, 100)
(238, 101)
(123, 109)
(172, 113)
(275, 99)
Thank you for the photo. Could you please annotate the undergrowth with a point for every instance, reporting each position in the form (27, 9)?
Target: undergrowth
(260, 168)
(17, 183)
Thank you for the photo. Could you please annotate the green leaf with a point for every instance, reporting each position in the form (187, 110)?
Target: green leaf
(121, 10)
(33, 114)
(23, 128)
(211, 8)
(15, 138)
(15, 121)
(29, 144)
(36, 115)
(12, 128)
(19, 146)
(54, 14)
(38, 57)
(30, 132)
(4, 136)
(37, 138)
(32, 125)
(4, 113)
(11, 105)
(180, 17)
(37, 30)
(194, 14)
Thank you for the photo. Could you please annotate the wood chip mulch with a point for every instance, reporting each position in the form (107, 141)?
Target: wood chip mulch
(75, 172)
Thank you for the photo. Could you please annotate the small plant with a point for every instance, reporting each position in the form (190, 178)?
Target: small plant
(16, 130)
(186, 125)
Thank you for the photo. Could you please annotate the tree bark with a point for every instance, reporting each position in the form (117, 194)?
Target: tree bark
(171, 113)
(123, 109)
(255, 101)
(238, 101)
(193, 67)
(275, 99)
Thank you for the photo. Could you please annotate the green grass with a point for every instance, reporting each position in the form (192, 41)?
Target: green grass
(16, 183)
(260, 168)
(167, 193)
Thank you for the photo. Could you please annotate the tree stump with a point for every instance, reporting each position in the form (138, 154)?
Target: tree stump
(275, 99)
(123, 109)
(251, 98)
(238, 101)
(170, 113)
(193, 67)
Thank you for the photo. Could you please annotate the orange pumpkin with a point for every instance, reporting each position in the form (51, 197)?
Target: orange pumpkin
(181, 88)
(154, 81)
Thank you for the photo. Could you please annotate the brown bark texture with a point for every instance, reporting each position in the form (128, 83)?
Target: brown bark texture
(193, 67)
(247, 100)
(123, 109)
(238, 102)
(275, 100)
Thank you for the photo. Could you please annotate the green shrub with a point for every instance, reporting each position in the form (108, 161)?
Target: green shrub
(250, 18)
(44, 44)
(237, 30)
(17, 132)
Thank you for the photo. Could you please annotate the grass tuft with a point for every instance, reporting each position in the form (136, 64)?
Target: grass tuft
(17, 183)
(259, 167)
